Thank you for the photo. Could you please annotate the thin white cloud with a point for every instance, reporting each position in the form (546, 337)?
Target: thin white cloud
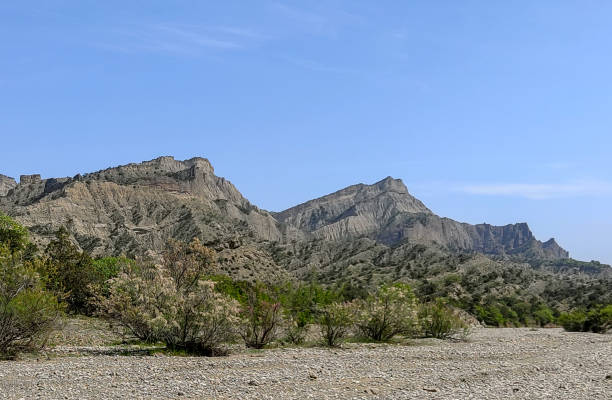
(178, 39)
(540, 191)
(318, 67)
(325, 20)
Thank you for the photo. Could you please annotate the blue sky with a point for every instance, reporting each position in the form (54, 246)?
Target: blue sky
(495, 112)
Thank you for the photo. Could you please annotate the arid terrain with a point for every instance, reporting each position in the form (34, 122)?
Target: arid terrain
(515, 363)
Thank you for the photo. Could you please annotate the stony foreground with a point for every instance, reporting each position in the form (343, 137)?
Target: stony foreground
(493, 364)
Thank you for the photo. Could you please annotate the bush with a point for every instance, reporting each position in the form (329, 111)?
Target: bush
(544, 315)
(28, 313)
(335, 321)
(173, 303)
(295, 330)
(71, 273)
(573, 321)
(490, 314)
(261, 319)
(12, 235)
(390, 311)
(440, 321)
(597, 320)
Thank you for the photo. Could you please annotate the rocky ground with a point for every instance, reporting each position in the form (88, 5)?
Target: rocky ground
(492, 364)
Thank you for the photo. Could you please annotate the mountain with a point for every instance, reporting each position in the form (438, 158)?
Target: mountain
(387, 213)
(137, 208)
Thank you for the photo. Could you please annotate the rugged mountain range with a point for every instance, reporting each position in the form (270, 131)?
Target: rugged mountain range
(363, 234)
(138, 207)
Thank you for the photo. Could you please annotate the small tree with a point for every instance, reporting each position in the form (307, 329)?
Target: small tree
(390, 311)
(28, 313)
(173, 302)
(261, 319)
(12, 235)
(70, 273)
(335, 321)
(438, 320)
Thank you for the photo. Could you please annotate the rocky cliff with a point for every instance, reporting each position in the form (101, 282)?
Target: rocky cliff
(137, 207)
(6, 184)
(387, 213)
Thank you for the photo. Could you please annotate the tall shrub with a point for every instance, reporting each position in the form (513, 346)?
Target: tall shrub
(390, 311)
(173, 302)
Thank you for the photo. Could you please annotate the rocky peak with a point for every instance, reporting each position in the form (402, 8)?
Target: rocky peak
(6, 184)
(356, 210)
(27, 179)
(553, 250)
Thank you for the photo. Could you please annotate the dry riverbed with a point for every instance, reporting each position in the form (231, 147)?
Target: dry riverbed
(492, 364)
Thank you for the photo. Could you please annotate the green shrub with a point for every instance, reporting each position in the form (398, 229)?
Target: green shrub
(573, 321)
(390, 311)
(12, 235)
(28, 313)
(601, 321)
(70, 273)
(173, 302)
(544, 315)
(440, 321)
(490, 314)
(335, 322)
(261, 319)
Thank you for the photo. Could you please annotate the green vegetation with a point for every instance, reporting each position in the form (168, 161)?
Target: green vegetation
(173, 303)
(598, 320)
(184, 302)
(390, 311)
(440, 321)
(28, 312)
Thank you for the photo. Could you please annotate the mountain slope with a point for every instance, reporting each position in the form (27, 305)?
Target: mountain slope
(386, 212)
(138, 207)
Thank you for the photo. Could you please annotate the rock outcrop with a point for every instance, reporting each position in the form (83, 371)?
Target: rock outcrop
(387, 213)
(6, 184)
(138, 207)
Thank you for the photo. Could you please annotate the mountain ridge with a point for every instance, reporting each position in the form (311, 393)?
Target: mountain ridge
(137, 207)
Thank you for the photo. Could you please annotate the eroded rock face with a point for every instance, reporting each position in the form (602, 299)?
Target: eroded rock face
(6, 184)
(387, 213)
(137, 208)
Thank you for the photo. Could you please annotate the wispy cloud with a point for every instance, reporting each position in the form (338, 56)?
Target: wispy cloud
(318, 67)
(326, 21)
(178, 39)
(540, 191)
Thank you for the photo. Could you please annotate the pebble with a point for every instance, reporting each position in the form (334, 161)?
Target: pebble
(493, 364)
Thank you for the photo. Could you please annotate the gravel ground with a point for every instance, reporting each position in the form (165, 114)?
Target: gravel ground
(493, 364)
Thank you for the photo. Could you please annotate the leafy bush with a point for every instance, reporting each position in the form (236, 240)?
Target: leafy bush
(261, 319)
(390, 311)
(490, 314)
(12, 235)
(573, 321)
(440, 321)
(28, 313)
(335, 321)
(544, 315)
(597, 320)
(173, 303)
(71, 273)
